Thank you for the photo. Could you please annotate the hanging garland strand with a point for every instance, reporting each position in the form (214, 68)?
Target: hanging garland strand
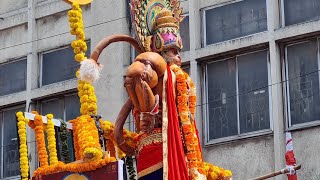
(75, 133)
(37, 125)
(88, 99)
(51, 140)
(186, 108)
(64, 140)
(88, 139)
(22, 131)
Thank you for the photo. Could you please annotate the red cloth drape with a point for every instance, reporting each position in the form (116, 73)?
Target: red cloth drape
(177, 167)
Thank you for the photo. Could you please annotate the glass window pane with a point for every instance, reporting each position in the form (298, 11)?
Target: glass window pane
(186, 68)
(54, 106)
(72, 105)
(303, 82)
(253, 92)
(235, 20)
(297, 11)
(10, 143)
(222, 101)
(60, 65)
(185, 33)
(13, 77)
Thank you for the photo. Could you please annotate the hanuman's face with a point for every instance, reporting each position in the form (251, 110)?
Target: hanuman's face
(172, 56)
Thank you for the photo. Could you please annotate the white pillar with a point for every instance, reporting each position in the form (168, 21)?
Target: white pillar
(32, 75)
(273, 15)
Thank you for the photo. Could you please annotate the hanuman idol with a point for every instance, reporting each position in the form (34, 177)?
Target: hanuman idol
(162, 97)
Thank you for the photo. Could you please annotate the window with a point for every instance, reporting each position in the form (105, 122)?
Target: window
(297, 11)
(13, 77)
(65, 107)
(234, 20)
(302, 72)
(185, 33)
(237, 95)
(9, 151)
(59, 65)
(186, 67)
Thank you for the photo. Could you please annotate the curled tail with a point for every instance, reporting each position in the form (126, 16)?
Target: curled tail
(90, 68)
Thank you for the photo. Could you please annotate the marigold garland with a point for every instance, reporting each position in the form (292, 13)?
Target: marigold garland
(215, 172)
(131, 138)
(189, 133)
(37, 125)
(186, 100)
(23, 148)
(73, 167)
(88, 99)
(75, 132)
(88, 138)
(51, 140)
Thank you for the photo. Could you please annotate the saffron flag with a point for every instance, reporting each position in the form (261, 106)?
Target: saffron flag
(290, 159)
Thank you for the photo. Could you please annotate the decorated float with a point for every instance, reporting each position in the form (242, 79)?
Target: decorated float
(162, 98)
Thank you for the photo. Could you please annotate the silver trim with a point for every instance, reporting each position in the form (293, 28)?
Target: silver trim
(229, 139)
(237, 94)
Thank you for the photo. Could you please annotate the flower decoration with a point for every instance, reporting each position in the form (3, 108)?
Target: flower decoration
(86, 92)
(73, 167)
(37, 125)
(76, 146)
(186, 98)
(51, 140)
(88, 138)
(64, 141)
(22, 131)
(216, 173)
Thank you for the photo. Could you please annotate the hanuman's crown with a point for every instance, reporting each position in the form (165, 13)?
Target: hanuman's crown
(165, 32)
(156, 24)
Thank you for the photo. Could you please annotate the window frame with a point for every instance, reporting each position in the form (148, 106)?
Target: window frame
(204, 25)
(283, 19)
(40, 57)
(187, 14)
(2, 140)
(14, 61)
(40, 54)
(286, 86)
(239, 136)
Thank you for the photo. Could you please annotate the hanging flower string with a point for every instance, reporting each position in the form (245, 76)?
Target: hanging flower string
(88, 138)
(73, 167)
(86, 92)
(51, 140)
(75, 132)
(215, 172)
(186, 98)
(37, 125)
(131, 138)
(64, 141)
(22, 131)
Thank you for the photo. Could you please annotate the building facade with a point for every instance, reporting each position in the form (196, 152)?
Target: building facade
(255, 63)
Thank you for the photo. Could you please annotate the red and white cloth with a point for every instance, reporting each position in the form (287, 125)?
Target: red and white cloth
(290, 160)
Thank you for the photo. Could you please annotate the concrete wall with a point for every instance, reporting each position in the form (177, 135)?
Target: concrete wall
(306, 148)
(9, 6)
(246, 158)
